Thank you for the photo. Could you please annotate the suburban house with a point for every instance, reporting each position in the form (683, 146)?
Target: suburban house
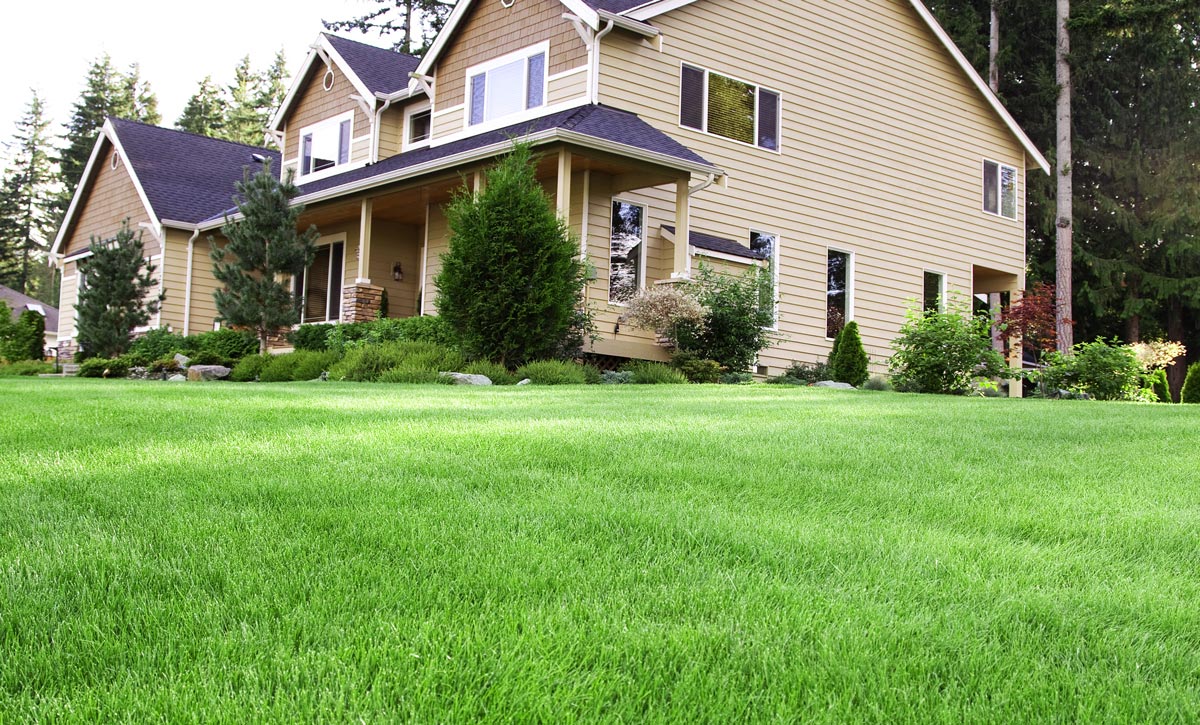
(19, 303)
(848, 147)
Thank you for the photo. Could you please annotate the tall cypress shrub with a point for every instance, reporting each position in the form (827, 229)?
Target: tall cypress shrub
(115, 296)
(1191, 386)
(25, 339)
(849, 361)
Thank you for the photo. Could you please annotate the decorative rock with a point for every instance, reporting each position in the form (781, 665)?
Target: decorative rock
(177, 379)
(832, 384)
(465, 379)
(526, 381)
(182, 359)
(204, 373)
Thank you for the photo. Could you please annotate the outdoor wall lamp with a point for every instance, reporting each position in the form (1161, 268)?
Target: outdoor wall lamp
(397, 272)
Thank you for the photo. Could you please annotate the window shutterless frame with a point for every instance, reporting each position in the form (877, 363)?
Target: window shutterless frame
(686, 114)
(416, 110)
(937, 287)
(756, 236)
(848, 303)
(639, 281)
(480, 117)
(1000, 192)
(321, 132)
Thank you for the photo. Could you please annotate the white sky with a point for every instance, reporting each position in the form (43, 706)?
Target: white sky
(177, 43)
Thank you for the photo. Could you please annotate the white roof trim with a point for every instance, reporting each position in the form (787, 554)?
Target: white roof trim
(107, 133)
(462, 7)
(298, 82)
(658, 7)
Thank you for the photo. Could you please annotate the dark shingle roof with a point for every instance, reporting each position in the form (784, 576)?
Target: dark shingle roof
(18, 303)
(700, 240)
(381, 70)
(186, 177)
(615, 6)
(600, 122)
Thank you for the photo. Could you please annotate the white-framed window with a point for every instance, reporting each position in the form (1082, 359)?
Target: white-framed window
(1000, 189)
(626, 251)
(507, 86)
(933, 292)
(839, 291)
(318, 289)
(325, 146)
(767, 243)
(418, 126)
(729, 107)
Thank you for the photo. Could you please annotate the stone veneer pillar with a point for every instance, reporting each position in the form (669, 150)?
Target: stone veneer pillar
(361, 302)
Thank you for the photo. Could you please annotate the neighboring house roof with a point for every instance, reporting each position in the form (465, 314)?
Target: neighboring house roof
(700, 240)
(18, 303)
(381, 70)
(593, 126)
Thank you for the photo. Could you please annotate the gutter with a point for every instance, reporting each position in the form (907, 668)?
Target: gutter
(187, 286)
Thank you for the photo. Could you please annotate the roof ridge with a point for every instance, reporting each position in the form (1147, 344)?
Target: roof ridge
(193, 134)
(333, 36)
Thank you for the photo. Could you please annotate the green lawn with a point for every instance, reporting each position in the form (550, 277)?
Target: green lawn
(322, 552)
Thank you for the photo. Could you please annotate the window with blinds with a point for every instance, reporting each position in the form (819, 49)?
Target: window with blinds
(319, 288)
(728, 107)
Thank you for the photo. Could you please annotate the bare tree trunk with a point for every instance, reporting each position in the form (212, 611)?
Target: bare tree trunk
(408, 28)
(1064, 225)
(994, 49)
(1177, 373)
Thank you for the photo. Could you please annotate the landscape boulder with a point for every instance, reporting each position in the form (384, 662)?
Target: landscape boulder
(182, 359)
(526, 381)
(834, 385)
(204, 373)
(177, 379)
(465, 379)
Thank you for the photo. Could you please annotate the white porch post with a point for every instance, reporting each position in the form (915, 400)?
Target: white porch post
(364, 243)
(682, 268)
(564, 185)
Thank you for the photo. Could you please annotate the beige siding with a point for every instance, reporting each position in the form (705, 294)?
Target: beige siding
(448, 121)
(110, 199)
(393, 243)
(66, 302)
(314, 104)
(491, 30)
(437, 241)
(882, 145)
(391, 131)
(566, 88)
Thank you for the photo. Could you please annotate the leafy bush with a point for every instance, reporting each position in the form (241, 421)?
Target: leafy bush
(414, 374)
(1097, 369)
(225, 343)
(736, 378)
(616, 377)
(367, 362)
(25, 367)
(1191, 385)
(665, 309)
(280, 368)
(943, 352)
(99, 367)
(553, 372)
(161, 342)
(736, 324)
(802, 373)
(695, 369)
(134, 360)
(207, 357)
(310, 337)
(24, 339)
(311, 363)
(877, 382)
(849, 361)
(1159, 385)
(652, 373)
(165, 365)
(249, 368)
(496, 373)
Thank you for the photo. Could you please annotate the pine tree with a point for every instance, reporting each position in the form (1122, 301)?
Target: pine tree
(511, 282)
(24, 339)
(849, 362)
(414, 23)
(30, 190)
(205, 111)
(263, 246)
(140, 97)
(273, 90)
(244, 122)
(115, 297)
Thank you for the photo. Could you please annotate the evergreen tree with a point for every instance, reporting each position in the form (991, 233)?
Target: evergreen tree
(273, 90)
(413, 23)
(27, 197)
(511, 283)
(263, 246)
(115, 297)
(24, 339)
(204, 113)
(244, 122)
(140, 97)
(849, 362)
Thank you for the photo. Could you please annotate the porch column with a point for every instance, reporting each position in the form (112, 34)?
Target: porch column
(682, 268)
(362, 300)
(563, 197)
(364, 243)
(1015, 352)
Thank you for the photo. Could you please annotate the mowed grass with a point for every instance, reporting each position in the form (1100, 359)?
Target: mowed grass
(322, 552)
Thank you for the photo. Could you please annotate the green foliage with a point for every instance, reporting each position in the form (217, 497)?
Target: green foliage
(411, 24)
(116, 294)
(205, 111)
(248, 369)
(511, 284)
(498, 374)
(653, 373)
(742, 378)
(27, 199)
(384, 305)
(1191, 385)
(849, 360)
(135, 360)
(25, 367)
(310, 364)
(1159, 385)
(225, 343)
(205, 357)
(24, 339)
(410, 374)
(943, 352)
(281, 368)
(553, 372)
(99, 367)
(161, 342)
(616, 377)
(168, 365)
(695, 369)
(736, 326)
(367, 363)
(266, 253)
(1098, 369)
(877, 382)
(310, 337)
(802, 373)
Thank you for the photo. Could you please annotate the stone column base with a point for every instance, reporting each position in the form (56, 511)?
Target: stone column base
(361, 302)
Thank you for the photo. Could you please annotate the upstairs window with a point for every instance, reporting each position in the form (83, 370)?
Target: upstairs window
(933, 295)
(1000, 189)
(727, 107)
(418, 126)
(326, 145)
(507, 86)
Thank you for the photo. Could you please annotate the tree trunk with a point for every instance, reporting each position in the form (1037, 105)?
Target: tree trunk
(408, 28)
(1133, 325)
(994, 49)
(1176, 373)
(1063, 226)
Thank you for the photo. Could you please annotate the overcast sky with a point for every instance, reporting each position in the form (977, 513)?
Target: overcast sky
(177, 44)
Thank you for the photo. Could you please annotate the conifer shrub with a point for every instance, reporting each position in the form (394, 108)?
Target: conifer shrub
(248, 368)
(1157, 380)
(616, 377)
(225, 343)
(98, 367)
(739, 378)
(653, 373)
(1191, 385)
(311, 363)
(117, 297)
(310, 337)
(367, 363)
(877, 382)
(280, 368)
(553, 372)
(804, 373)
(414, 374)
(498, 374)
(24, 339)
(849, 362)
(161, 342)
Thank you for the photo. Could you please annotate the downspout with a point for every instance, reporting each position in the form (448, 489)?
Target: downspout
(375, 128)
(712, 179)
(187, 286)
(594, 73)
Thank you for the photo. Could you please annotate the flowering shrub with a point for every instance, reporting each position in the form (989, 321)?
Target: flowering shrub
(665, 309)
